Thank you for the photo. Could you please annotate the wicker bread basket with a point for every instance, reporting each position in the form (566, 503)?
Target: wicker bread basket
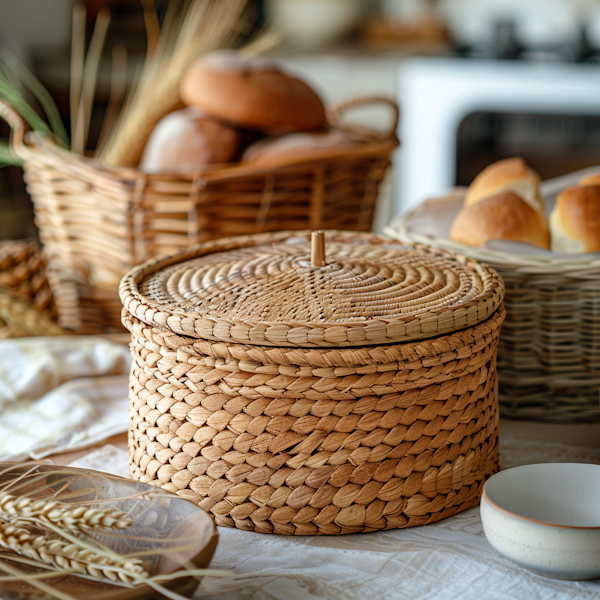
(549, 354)
(299, 390)
(97, 222)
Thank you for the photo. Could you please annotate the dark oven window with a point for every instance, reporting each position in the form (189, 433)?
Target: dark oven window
(552, 144)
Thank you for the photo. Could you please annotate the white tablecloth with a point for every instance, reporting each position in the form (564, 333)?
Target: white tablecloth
(450, 560)
(61, 393)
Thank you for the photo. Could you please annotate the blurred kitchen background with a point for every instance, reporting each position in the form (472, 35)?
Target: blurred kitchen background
(476, 80)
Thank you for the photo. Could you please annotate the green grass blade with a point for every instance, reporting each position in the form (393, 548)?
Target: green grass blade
(6, 156)
(42, 95)
(15, 98)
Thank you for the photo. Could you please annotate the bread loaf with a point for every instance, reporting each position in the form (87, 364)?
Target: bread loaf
(186, 141)
(295, 146)
(504, 216)
(509, 175)
(575, 220)
(593, 179)
(251, 93)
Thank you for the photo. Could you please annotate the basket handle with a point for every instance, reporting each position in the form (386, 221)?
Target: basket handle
(335, 112)
(17, 125)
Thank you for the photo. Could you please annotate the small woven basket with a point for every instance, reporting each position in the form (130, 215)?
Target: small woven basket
(26, 306)
(315, 390)
(549, 355)
(97, 222)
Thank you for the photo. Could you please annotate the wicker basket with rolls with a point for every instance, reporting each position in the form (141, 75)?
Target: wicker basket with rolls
(549, 353)
(251, 149)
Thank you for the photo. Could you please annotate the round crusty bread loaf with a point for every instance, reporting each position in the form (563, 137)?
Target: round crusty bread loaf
(251, 93)
(508, 175)
(186, 140)
(505, 216)
(575, 220)
(593, 179)
(295, 146)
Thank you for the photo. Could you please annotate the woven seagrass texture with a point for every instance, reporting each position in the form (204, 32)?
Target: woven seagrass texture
(26, 306)
(266, 291)
(299, 439)
(316, 441)
(97, 222)
(549, 354)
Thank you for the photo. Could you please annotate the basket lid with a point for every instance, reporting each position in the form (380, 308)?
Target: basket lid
(277, 290)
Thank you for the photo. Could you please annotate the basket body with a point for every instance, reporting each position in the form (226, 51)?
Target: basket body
(316, 441)
(549, 354)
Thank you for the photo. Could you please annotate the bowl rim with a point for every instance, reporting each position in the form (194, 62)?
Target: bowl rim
(529, 519)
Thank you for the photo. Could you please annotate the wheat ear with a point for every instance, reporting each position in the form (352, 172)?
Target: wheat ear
(68, 556)
(71, 517)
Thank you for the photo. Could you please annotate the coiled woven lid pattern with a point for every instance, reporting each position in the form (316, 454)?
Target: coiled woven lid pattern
(266, 290)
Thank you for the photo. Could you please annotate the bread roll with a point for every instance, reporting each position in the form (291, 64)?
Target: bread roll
(251, 93)
(509, 175)
(505, 216)
(575, 220)
(186, 140)
(295, 146)
(590, 180)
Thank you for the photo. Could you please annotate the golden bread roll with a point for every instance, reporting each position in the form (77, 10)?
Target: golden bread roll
(508, 175)
(251, 93)
(575, 220)
(186, 140)
(505, 216)
(590, 180)
(295, 146)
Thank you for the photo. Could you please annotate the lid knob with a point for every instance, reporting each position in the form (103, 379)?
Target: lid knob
(317, 249)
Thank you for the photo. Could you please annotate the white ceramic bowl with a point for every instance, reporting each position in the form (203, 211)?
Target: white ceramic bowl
(312, 24)
(546, 518)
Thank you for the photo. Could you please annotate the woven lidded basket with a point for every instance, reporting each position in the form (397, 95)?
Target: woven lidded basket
(301, 389)
(549, 354)
(97, 222)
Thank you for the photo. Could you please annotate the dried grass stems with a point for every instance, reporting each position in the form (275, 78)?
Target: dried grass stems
(86, 76)
(118, 90)
(77, 65)
(152, 25)
(199, 27)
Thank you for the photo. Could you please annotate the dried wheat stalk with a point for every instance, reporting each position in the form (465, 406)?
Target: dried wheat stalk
(72, 518)
(68, 556)
(41, 590)
(88, 82)
(152, 25)
(118, 89)
(77, 64)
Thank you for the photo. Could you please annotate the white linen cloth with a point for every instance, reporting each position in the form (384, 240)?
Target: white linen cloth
(60, 393)
(449, 560)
